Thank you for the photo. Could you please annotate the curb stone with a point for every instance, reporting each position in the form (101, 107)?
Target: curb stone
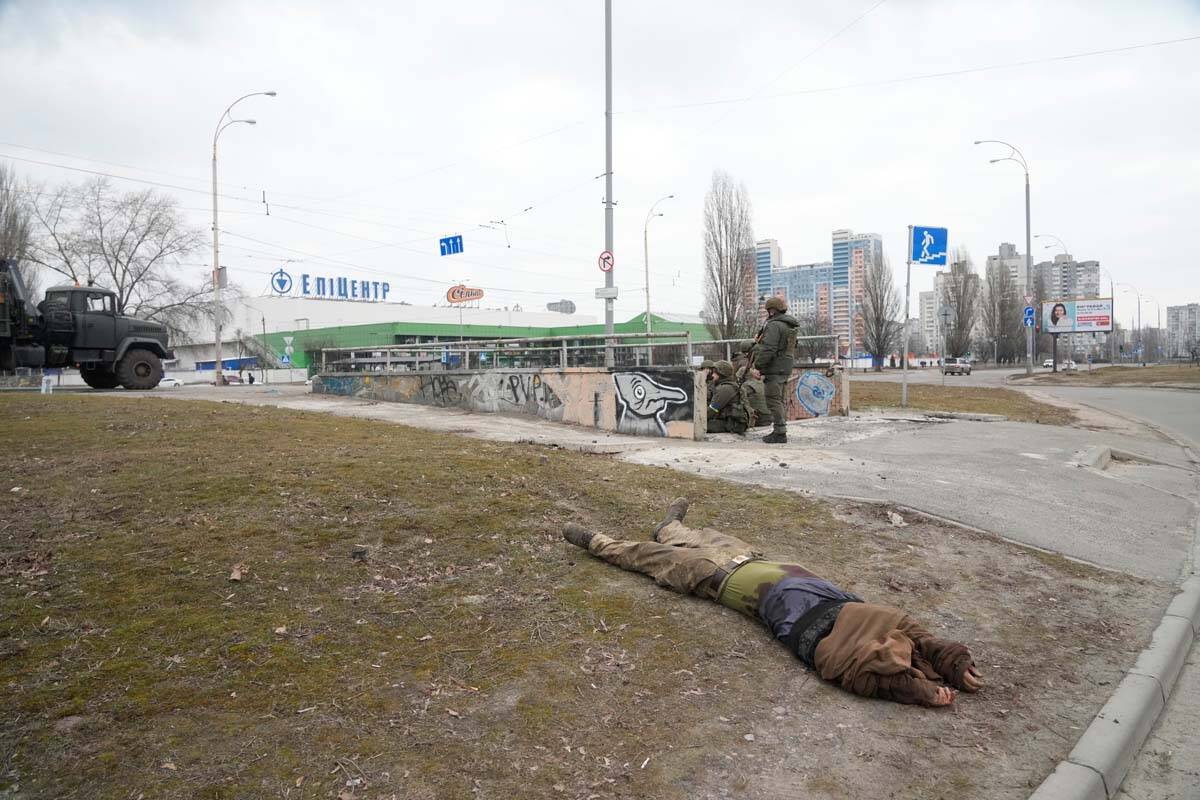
(1098, 763)
(1071, 782)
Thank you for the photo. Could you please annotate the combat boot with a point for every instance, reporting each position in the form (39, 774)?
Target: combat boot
(577, 535)
(775, 437)
(675, 513)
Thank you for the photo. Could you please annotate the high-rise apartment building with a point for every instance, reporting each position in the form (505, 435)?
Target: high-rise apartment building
(927, 308)
(1183, 329)
(1009, 259)
(1064, 278)
(853, 254)
(767, 257)
(797, 285)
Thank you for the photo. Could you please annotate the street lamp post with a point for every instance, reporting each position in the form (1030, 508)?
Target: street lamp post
(1016, 156)
(1134, 289)
(218, 309)
(646, 250)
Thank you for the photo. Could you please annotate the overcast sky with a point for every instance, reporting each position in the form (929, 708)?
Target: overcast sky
(400, 122)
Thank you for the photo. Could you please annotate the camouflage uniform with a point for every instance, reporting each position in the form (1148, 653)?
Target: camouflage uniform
(774, 357)
(870, 650)
(726, 412)
(756, 392)
(706, 367)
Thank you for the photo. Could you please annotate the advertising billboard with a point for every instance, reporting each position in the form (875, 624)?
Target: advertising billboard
(463, 294)
(1078, 316)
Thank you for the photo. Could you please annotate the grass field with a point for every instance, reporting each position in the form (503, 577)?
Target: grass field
(408, 623)
(1157, 375)
(977, 400)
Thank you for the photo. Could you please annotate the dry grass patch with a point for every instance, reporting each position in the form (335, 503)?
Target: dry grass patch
(470, 652)
(1015, 405)
(1157, 375)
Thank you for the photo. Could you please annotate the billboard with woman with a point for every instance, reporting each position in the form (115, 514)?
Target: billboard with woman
(1077, 316)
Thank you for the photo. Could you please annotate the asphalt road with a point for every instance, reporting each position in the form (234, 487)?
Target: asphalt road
(1175, 410)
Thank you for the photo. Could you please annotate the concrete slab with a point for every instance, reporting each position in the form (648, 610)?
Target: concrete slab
(1111, 742)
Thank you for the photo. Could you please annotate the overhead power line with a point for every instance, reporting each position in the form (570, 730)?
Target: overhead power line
(912, 78)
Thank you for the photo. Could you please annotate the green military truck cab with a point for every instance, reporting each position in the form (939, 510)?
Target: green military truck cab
(79, 326)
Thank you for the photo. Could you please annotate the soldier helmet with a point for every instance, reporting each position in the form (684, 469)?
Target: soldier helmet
(775, 303)
(707, 363)
(724, 368)
(745, 346)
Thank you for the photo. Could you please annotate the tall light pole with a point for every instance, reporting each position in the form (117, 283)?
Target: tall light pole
(219, 310)
(651, 214)
(1015, 155)
(608, 180)
(1134, 289)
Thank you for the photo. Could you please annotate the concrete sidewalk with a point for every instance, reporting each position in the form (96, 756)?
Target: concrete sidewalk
(1032, 484)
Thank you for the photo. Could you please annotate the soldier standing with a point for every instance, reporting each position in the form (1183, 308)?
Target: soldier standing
(774, 358)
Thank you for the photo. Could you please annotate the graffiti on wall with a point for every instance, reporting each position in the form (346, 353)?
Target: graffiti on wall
(812, 394)
(646, 404)
(651, 402)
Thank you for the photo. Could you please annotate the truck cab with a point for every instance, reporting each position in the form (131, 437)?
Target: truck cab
(94, 310)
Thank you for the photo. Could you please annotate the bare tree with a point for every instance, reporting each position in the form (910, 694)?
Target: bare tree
(961, 292)
(880, 310)
(1000, 316)
(812, 324)
(729, 276)
(129, 242)
(14, 218)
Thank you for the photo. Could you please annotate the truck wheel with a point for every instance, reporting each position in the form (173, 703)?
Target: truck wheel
(98, 377)
(139, 369)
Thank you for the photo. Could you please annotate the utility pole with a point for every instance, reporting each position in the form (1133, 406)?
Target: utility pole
(1028, 273)
(907, 292)
(608, 179)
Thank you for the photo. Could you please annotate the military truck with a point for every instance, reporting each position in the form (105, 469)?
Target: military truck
(78, 326)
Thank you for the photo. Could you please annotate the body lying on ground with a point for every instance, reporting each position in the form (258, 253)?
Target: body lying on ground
(868, 649)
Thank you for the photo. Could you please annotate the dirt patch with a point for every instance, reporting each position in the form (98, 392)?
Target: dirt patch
(1158, 375)
(1017, 406)
(470, 652)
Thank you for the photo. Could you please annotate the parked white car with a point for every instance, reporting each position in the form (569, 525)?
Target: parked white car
(170, 383)
(1048, 363)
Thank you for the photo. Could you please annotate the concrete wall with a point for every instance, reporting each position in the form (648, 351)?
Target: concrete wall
(644, 402)
(815, 393)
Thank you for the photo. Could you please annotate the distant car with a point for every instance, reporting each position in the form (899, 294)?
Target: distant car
(1068, 364)
(1048, 363)
(956, 366)
(170, 383)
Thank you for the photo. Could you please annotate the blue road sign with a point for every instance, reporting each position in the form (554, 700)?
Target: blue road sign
(928, 245)
(286, 360)
(1029, 312)
(451, 245)
(1029, 322)
(281, 282)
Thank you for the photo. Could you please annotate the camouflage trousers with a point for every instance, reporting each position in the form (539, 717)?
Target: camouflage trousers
(682, 559)
(775, 387)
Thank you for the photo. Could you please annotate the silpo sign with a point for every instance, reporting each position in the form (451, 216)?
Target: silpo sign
(331, 287)
(463, 294)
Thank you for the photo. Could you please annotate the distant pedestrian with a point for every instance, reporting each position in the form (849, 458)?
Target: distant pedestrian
(251, 378)
(774, 357)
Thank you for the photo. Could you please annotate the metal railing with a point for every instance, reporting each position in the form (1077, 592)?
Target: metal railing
(551, 352)
(726, 349)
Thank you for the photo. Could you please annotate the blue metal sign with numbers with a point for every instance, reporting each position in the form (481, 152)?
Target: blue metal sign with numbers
(451, 245)
(928, 246)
